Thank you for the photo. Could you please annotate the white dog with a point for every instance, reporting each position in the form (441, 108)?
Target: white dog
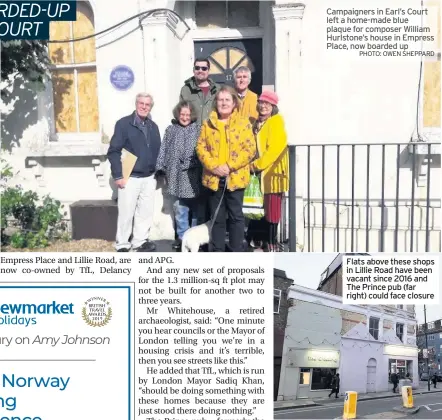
(195, 237)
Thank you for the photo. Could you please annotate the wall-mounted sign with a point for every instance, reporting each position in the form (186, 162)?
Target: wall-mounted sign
(395, 350)
(306, 358)
(122, 77)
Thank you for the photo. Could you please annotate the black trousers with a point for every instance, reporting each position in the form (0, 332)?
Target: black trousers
(394, 386)
(231, 206)
(334, 391)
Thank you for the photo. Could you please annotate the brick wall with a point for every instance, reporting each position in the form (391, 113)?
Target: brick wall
(350, 320)
(280, 282)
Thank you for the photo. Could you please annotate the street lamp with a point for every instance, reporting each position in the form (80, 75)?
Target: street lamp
(426, 345)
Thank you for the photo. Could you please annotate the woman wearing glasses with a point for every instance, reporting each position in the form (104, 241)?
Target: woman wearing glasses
(226, 147)
(272, 163)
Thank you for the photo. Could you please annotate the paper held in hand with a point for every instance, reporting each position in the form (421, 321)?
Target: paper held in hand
(128, 162)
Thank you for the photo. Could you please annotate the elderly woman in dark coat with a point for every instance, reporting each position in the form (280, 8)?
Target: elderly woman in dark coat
(177, 159)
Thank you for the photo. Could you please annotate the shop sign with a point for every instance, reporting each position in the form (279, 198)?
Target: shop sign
(313, 358)
(405, 351)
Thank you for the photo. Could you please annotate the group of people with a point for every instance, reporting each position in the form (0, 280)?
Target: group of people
(218, 137)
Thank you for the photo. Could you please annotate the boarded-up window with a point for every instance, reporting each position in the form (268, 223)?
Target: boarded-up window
(227, 14)
(432, 71)
(74, 74)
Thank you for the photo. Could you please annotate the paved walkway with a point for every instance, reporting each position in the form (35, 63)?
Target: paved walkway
(284, 405)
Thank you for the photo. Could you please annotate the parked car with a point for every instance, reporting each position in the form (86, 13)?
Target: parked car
(424, 376)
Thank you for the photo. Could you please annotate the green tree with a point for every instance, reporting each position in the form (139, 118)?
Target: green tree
(23, 59)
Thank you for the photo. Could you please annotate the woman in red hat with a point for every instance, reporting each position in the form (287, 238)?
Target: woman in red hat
(272, 162)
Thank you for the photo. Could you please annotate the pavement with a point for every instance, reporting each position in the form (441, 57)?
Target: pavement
(383, 405)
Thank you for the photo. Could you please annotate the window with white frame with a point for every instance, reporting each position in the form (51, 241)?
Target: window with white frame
(276, 300)
(430, 325)
(227, 14)
(400, 306)
(373, 328)
(400, 331)
(74, 74)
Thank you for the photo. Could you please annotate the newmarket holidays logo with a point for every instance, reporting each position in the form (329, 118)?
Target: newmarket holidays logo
(96, 312)
(27, 313)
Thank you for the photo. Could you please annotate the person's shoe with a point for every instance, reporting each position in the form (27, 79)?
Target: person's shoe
(123, 250)
(148, 246)
(177, 244)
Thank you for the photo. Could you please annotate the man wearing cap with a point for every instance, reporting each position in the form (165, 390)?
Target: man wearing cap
(248, 99)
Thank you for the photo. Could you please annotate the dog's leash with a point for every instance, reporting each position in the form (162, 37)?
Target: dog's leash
(217, 209)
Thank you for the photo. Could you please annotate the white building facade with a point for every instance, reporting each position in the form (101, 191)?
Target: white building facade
(364, 344)
(58, 138)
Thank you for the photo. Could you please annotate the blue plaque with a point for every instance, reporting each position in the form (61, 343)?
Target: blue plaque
(122, 77)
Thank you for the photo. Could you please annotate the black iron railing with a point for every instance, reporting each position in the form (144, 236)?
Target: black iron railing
(363, 198)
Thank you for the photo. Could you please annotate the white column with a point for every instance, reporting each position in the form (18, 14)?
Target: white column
(156, 56)
(162, 35)
(288, 34)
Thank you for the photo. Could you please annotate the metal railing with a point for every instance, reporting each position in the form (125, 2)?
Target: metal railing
(363, 198)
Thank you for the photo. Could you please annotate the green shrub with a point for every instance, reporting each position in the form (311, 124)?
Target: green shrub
(36, 223)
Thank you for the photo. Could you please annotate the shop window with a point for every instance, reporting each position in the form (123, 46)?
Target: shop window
(374, 328)
(74, 74)
(227, 14)
(276, 300)
(304, 377)
(400, 331)
(322, 378)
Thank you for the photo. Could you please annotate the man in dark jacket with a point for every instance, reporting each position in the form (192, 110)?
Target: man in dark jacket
(139, 135)
(200, 90)
(335, 386)
(394, 380)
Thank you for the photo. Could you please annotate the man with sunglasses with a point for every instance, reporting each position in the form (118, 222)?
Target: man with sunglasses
(200, 90)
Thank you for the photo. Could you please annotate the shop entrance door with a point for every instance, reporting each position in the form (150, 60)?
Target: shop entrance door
(305, 380)
(371, 375)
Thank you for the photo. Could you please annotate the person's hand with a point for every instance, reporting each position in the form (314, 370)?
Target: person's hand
(217, 171)
(224, 169)
(121, 183)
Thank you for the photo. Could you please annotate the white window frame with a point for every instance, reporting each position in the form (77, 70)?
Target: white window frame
(277, 293)
(430, 325)
(378, 329)
(403, 331)
(75, 136)
(194, 4)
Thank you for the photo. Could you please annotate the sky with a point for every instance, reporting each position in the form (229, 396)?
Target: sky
(306, 269)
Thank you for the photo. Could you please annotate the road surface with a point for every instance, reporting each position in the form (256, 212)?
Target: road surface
(431, 408)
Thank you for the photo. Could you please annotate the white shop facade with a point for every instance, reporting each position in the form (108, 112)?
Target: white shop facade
(360, 343)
